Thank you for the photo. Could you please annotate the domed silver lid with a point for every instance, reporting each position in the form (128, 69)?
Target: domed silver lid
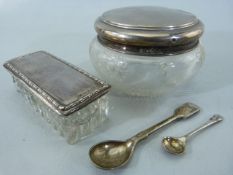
(149, 26)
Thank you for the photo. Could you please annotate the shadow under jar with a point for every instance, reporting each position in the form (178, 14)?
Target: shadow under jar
(147, 51)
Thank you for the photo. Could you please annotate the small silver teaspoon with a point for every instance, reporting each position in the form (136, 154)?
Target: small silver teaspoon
(176, 145)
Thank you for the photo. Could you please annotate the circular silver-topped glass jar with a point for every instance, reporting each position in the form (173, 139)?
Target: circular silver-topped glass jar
(147, 51)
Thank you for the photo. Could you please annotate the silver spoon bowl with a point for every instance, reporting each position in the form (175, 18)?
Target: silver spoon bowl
(177, 145)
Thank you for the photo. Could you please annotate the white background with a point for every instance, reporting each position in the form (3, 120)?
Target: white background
(65, 28)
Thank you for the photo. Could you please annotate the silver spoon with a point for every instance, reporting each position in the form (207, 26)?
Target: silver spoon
(176, 145)
(112, 154)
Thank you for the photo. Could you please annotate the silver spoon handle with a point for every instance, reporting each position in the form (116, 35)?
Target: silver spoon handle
(213, 120)
(182, 112)
(145, 133)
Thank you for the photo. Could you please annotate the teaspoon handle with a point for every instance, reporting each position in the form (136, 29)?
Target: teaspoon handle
(145, 133)
(182, 112)
(213, 120)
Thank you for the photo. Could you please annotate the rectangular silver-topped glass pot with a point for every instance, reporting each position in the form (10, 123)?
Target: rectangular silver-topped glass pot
(70, 99)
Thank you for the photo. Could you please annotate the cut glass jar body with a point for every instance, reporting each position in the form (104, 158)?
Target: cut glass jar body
(144, 75)
(75, 127)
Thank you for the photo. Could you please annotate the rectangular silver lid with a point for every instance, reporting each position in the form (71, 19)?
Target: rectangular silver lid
(62, 86)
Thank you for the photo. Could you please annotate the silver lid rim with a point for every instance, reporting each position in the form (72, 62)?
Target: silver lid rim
(153, 51)
(151, 37)
(139, 35)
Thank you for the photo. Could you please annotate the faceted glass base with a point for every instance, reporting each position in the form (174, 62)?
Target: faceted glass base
(73, 127)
